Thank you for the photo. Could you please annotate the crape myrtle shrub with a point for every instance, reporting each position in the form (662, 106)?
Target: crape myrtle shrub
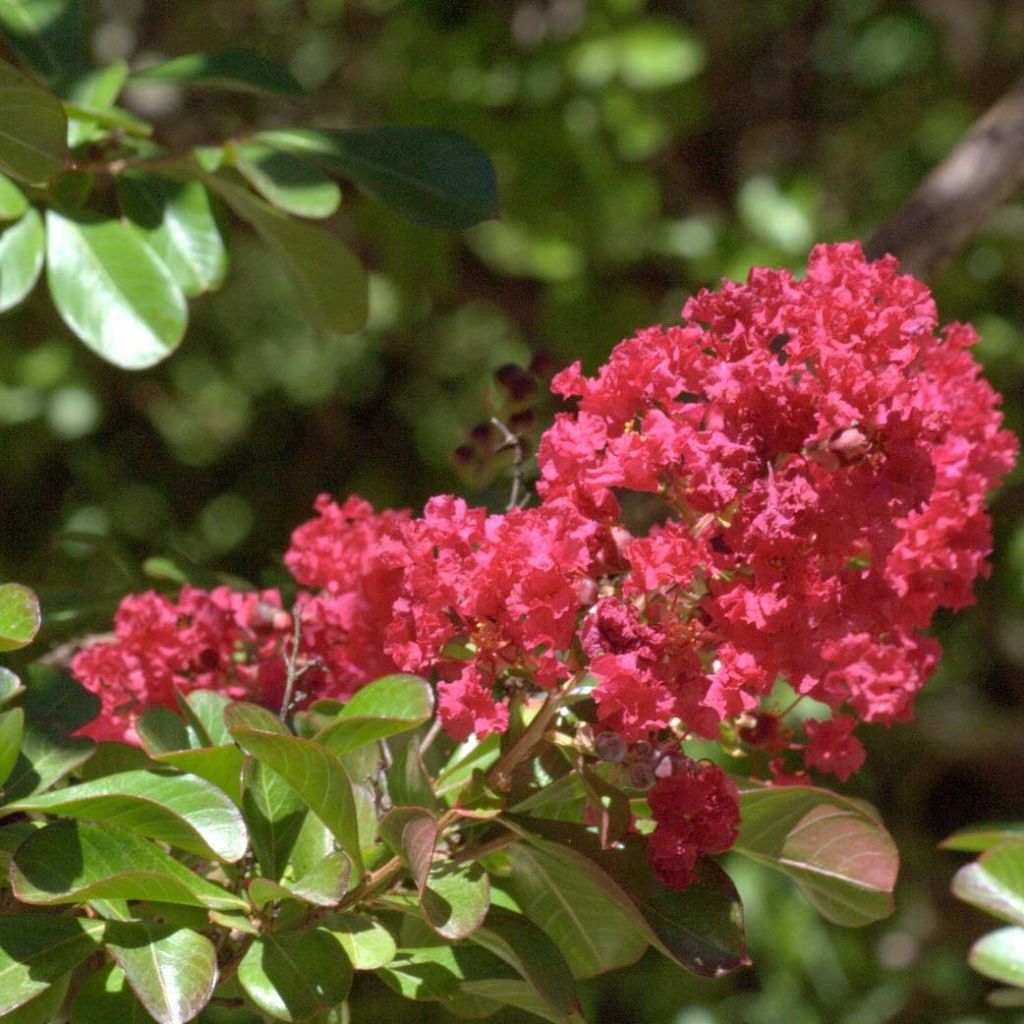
(822, 450)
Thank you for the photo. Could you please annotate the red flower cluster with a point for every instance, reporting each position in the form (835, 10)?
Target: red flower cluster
(822, 452)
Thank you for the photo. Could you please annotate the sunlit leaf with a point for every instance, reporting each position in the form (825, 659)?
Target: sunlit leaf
(367, 943)
(322, 886)
(43, 1008)
(13, 202)
(19, 607)
(1000, 955)
(455, 899)
(12, 728)
(97, 89)
(274, 813)
(995, 881)
(287, 181)
(978, 838)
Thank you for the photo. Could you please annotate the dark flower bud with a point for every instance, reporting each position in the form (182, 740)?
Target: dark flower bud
(641, 776)
(464, 455)
(521, 421)
(610, 747)
(543, 366)
(516, 381)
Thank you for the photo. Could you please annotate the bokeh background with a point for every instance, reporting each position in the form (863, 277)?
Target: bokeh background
(644, 150)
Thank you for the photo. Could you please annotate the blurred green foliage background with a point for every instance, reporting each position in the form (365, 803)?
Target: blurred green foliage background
(644, 150)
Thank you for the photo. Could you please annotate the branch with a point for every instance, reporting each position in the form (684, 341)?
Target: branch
(982, 171)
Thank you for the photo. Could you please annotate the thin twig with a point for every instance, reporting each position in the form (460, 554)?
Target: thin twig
(293, 671)
(432, 733)
(946, 210)
(518, 446)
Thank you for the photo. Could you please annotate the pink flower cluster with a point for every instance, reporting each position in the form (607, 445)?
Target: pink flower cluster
(820, 451)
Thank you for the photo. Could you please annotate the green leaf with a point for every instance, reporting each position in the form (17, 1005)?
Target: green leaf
(206, 710)
(466, 759)
(112, 290)
(33, 131)
(37, 950)
(582, 910)
(107, 997)
(161, 731)
(13, 202)
(73, 861)
(221, 766)
(172, 970)
(55, 702)
(411, 833)
(236, 70)
(292, 975)
(322, 886)
(44, 1008)
(11, 837)
(22, 248)
(243, 715)
(527, 949)
(287, 181)
(176, 219)
(1000, 955)
(330, 279)
(19, 608)
(385, 707)
(837, 851)
(435, 972)
(10, 686)
(995, 881)
(112, 758)
(316, 775)
(182, 810)
(367, 943)
(97, 89)
(978, 838)
(430, 175)
(48, 34)
(455, 899)
(274, 813)
(12, 728)
(44, 760)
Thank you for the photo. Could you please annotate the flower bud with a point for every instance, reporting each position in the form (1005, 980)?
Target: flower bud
(849, 445)
(610, 747)
(641, 776)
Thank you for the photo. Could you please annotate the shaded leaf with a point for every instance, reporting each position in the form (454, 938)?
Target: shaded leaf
(44, 1008)
(287, 181)
(176, 219)
(172, 970)
(43, 760)
(385, 707)
(73, 861)
(112, 290)
(236, 70)
(411, 833)
(22, 248)
(837, 851)
(330, 279)
(367, 943)
(19, 607)
(12, 727)
(293, 975)
(48, 34)
(112, 758)
(182, 810)
(11, 837)
(274, 813)
(37, 950)
(995, 881)
(107, 997)
(96, 90)
(161, 730)
(455, 899)
(430, 175)
(33, 132)
(1000, 955)
(55, 702)
(316, 775)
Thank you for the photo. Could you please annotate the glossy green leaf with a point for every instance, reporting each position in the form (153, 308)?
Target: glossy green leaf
(221, 766)
(13, 202)
(1000, 955)
(42, 761)
(44, 1008)
(519, 994)
(236, 70)
(37, 950)
(274, 813)
(456, 899)
(322, 886)
(161, 731)
(22, 248)
(587, 916)
(430, 175)
(206, 710)
(19, 608)
(48, 34)
(837, 851)
(97, 90)
(316, 775)
(33, 131)
(182, 810)
(292, 975)
(176, 219)
(407, 778)
(106, 997)
(55, 702)
(523, 946)
(73, 861)
(466, 759)
(10, 686)
(11, 837)
(367, 943)
(330, 279)
(287, 181)
(173, 971)
(12, 728)
(243, 715)
(978, 838)
(112, 290)
(112, 759)
(385, 707)
(995, 881)
(435, 972)
(411, 833)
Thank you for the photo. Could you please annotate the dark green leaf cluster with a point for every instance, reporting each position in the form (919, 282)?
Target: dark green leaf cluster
(129, 230)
